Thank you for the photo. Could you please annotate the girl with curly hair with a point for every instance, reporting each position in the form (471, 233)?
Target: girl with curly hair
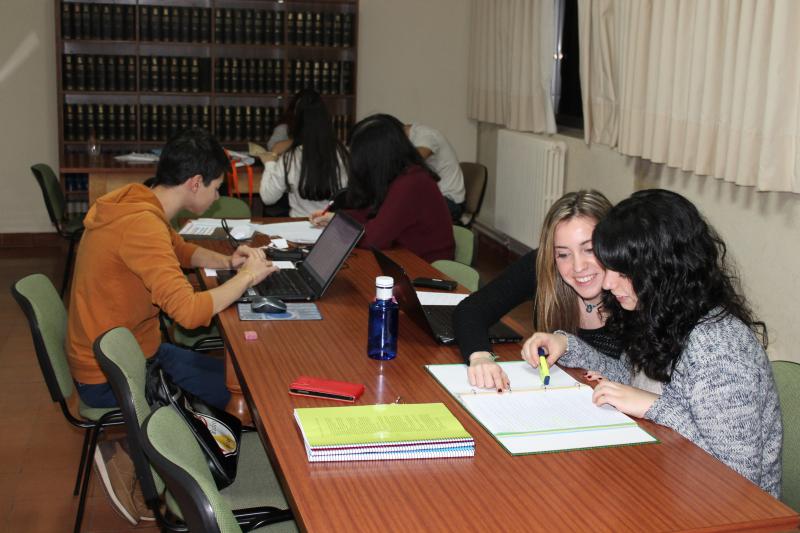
(691, 342)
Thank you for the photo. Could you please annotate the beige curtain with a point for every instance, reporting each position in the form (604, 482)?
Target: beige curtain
(510, 64)
(711, 86)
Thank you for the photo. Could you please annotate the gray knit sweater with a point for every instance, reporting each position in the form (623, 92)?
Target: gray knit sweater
(722, 397)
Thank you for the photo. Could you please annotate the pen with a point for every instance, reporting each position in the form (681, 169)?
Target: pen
(544, 372)
(327, 207)
(397, 400)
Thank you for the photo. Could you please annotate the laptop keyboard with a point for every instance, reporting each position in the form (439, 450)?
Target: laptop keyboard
(281, 284)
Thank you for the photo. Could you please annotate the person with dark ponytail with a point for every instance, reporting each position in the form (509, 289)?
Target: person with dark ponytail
(394, 193)
(313, 169)
(694, 355)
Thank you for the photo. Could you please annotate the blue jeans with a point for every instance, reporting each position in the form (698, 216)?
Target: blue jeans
(456, 210)
(197, 373)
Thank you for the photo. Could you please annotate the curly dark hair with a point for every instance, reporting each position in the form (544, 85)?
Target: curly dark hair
(677, 264)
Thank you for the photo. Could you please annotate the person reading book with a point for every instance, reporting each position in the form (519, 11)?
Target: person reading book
(562, 277)
(683, 322)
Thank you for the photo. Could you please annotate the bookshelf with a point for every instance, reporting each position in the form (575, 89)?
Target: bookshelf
(133, 72)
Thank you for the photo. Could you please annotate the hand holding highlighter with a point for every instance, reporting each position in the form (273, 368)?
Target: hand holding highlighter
(326, 388)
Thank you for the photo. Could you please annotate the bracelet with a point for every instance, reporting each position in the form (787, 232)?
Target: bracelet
(490, 356)
(250, 275)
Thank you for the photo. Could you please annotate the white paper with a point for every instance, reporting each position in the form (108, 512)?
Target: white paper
(136, 157)
(279, 244)
(521, 375)
(301, 232)
(206, 226)
(210, 272)
(284, 265)
(440, 298)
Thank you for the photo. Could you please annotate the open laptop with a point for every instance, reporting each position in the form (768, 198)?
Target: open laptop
(436, 319)
(311, 278)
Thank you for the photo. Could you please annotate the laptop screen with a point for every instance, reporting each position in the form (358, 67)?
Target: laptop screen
(332, 248)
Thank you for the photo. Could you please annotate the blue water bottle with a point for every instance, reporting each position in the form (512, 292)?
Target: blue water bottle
(382, 334)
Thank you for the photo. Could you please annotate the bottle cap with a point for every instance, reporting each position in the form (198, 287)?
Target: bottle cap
(383, 287)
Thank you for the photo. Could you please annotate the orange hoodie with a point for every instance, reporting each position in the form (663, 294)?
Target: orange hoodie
(127, 268)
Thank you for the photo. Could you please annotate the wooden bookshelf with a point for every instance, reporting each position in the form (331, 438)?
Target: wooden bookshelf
(133, 72)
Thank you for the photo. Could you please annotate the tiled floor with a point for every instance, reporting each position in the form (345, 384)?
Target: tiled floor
(39, 451)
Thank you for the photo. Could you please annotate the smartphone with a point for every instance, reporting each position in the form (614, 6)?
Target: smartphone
(435, 283)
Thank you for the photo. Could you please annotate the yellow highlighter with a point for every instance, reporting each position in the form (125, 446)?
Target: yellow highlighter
(544, 371)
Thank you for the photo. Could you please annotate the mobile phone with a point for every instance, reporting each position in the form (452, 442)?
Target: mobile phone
(435, 283)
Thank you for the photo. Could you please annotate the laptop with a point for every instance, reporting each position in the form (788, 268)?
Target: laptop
(311, 278)
(436, 319)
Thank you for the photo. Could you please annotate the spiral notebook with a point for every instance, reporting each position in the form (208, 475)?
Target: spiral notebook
(382, 432)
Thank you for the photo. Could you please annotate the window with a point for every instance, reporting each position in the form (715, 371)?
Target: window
(566, 89)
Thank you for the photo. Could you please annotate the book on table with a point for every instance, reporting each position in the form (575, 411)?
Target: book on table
(381, 432)
(534, 418)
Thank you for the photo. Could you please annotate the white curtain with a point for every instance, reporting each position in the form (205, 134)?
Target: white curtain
(711, 86)
(511, 64)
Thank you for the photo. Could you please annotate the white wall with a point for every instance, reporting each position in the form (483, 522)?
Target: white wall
(28, 112)
(412, 63)
(761, 230)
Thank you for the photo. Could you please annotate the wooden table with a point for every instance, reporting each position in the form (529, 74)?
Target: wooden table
(669, 486)
(107, 174)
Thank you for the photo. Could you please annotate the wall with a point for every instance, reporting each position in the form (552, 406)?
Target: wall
(412, 66)
(412, 63)
(28, 111)
(760, 229)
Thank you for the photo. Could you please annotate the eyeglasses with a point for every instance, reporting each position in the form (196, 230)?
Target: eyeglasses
(231, 239)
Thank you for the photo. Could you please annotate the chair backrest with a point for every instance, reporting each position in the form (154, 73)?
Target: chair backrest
(465, 244)
(464, 274)
(47, 319)
(173, 450)
(475, 177)
(787, 379)
(121, 359)
(223, 207)
(51, 190)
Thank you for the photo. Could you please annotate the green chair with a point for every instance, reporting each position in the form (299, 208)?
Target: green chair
(475, 178)
(176, 456)
(787, 378)
(47, 318)
(255, 495)
(466, 240)
(464, 274)
(69, 228)
(223, 207)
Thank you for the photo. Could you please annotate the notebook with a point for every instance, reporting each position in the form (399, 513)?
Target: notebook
(311, 278)
(384, 431)
(436, 319)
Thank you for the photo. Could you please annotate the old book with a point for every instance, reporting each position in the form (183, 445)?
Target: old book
(66, 21)
(68, 73)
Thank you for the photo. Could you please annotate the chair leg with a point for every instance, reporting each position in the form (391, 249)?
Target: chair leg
(82, 464)
(87, 474)
(68, 267)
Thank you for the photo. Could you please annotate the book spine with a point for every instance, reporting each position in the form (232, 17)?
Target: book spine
(155, 23)
(106, 23)
(277, 34)
(205, 25)
(100, 73)
(145, 33)
(131, 128)
(131, 70)
(129, 27)
(67, 25)
(347, 29)
(68, 73)
(258, 26)
(388, 456)
(184, 79)
(308, 31)
(91, 73)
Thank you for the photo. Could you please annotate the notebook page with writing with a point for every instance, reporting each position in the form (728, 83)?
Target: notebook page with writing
(521, 375)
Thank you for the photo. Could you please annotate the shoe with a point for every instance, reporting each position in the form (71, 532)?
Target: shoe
(116, 471)
(142, 510)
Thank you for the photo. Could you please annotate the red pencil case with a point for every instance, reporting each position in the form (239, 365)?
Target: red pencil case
(326, 388)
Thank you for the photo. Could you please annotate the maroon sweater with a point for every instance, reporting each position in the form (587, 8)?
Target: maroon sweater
(413, 215)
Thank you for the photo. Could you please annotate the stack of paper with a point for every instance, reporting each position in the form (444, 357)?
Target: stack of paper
(302, 231)
(389, 431)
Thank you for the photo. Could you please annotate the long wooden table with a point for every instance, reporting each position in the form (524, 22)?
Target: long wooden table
(670, 486)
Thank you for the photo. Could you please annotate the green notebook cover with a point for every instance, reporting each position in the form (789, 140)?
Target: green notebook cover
(366, 424)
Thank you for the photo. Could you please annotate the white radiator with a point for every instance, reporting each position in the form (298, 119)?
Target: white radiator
(530, 177)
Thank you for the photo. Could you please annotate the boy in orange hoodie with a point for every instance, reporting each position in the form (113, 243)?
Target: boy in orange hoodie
(128, 269)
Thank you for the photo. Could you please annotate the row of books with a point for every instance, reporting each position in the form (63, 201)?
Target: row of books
(382, 432)
(76, 186)
(98, 73)
(243, 75)
(174, 74)
(81, 20)
(319, 29)
(97, 21)
(114, 122)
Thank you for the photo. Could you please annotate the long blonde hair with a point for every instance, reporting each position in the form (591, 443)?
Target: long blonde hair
(555, 306)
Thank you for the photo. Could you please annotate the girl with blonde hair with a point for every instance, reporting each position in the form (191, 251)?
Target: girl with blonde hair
(563, 279)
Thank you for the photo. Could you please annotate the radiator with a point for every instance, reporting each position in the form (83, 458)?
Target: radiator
(530, 177)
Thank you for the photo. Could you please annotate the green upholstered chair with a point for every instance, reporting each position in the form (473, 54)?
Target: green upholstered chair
(464, 274)
(176, 456)
(223, 207)
(465, 245)
(47, 319)
(787, 378)
(69, 228)
(254, 495)
(475, 178)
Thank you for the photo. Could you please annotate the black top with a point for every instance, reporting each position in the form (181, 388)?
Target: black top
(517, 284)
